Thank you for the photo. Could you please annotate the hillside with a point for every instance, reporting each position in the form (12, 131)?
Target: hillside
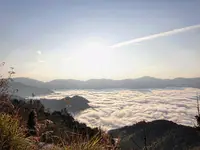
(29, 82)
(160, 135)
(23, 90)
(73, 104)
(35, 128)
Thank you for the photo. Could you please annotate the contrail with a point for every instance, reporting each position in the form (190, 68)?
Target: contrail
(138, 40)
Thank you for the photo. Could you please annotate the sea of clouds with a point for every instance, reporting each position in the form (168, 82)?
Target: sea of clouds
(117, 108)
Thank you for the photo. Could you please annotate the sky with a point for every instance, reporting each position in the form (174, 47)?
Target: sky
(115, 39)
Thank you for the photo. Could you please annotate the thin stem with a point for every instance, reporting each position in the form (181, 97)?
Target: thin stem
(198, 104)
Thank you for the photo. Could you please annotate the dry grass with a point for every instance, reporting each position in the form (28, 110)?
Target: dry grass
(96, 143)
(12, 136)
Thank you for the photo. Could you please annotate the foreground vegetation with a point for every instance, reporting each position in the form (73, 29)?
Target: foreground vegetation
(12, 135)
(57, 130)
(26, 125)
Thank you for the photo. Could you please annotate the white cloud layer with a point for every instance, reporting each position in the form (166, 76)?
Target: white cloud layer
(117, 108)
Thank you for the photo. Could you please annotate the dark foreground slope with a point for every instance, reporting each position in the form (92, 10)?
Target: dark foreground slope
(160, 135)
(26, 125)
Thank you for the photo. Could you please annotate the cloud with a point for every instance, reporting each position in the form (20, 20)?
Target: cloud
(154, 36)
(39, 52)
(117, 108)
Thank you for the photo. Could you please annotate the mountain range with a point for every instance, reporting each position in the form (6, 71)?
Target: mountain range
(139, 83)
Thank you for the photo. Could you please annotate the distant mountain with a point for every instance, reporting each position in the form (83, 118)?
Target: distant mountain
(139, 83)
(73, 104)
(29, 82)
(64, 84)
(160, 135)
(23, 90)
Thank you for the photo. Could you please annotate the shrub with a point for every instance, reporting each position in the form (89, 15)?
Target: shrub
(32, 123)
(12, 136)
(198, 112)
(5, 104)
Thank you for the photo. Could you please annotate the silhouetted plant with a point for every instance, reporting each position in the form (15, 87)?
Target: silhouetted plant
(32, 123)
(198, 113)
(145, 140)
(5, 92)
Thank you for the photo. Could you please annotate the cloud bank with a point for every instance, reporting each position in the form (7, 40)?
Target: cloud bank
(150, 37)
(117, 108)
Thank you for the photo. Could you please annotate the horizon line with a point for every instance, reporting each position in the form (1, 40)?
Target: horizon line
(114, 79)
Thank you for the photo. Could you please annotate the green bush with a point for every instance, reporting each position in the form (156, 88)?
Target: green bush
(12, 136)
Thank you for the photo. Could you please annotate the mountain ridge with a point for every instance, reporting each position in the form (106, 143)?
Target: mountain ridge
(143, 82)
(159, 134)
(71, 79)
(23, 90)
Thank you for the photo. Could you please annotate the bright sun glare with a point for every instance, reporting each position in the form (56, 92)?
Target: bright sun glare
(94, 54)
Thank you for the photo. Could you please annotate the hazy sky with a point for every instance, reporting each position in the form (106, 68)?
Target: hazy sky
(83, 39)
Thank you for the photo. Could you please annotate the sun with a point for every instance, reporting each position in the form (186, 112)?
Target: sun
(91, 58)
(94, 54)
